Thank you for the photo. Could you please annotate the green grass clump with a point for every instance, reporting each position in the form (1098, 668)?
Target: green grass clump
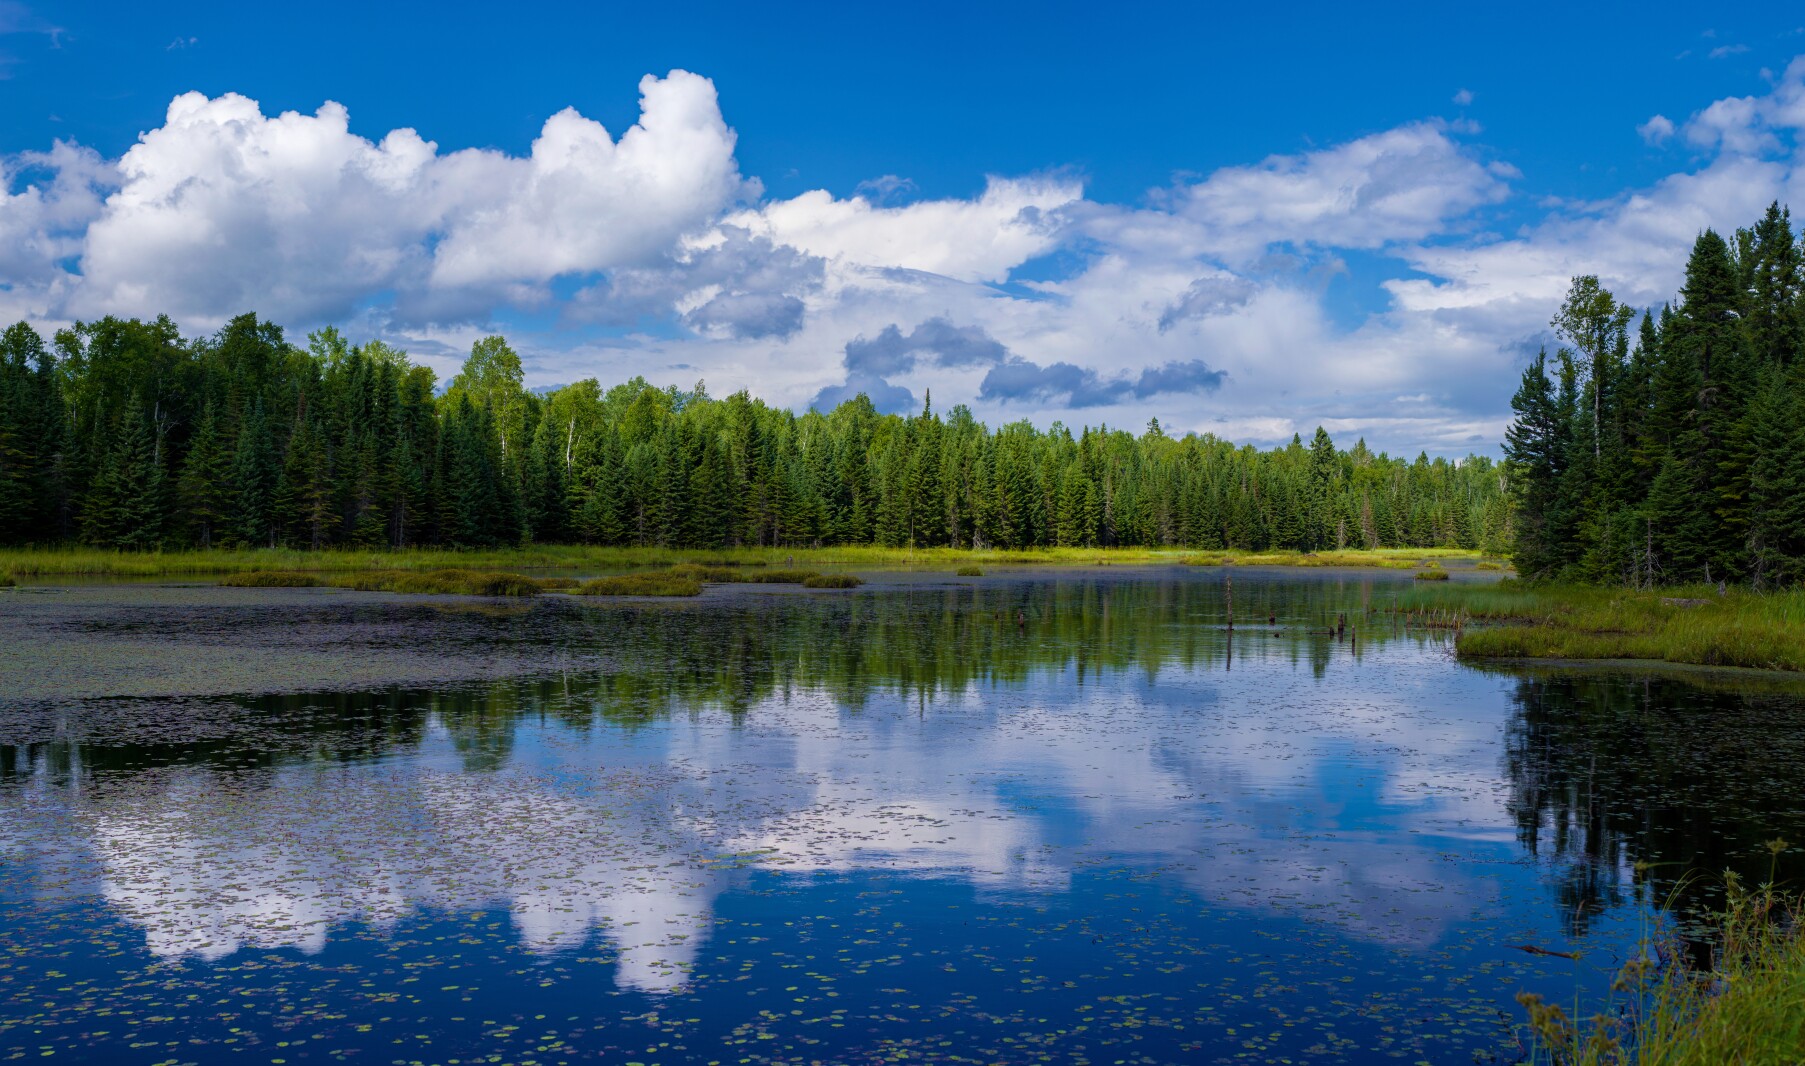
(6, 580)
(1758, 630)
(781, 577)
(658, 583)
(1745, 1010)
(833, 581)
(1488, 565)
(1432, 575)
(970, 571)
(271, 579)
(441, 583)
(709, 572)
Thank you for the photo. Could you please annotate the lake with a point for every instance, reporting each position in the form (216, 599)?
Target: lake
(1042, 815)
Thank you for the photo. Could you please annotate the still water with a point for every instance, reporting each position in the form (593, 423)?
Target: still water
(1063, 817)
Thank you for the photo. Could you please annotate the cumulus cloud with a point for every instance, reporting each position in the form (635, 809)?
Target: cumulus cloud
(937, 340)
(1014, 220)
(223, 209)
(1659, 129)
(1076, 386)
(1398, 185)
(730, 284)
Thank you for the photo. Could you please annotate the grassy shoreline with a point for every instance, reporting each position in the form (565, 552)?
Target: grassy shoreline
(1696, 625)
(93, 562)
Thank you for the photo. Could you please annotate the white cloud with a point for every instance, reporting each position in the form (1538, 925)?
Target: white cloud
(1403, 184)
(1013, 221)
(222, 209)
(1463, 97)
(1659, 129)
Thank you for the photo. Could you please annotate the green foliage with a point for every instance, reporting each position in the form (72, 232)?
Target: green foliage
(833, 581)
(781, 577)
(1680, 458)
(1431, 575)
(970, 571)
(127, 435)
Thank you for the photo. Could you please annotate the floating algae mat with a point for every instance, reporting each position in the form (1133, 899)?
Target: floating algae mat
(1052, 817)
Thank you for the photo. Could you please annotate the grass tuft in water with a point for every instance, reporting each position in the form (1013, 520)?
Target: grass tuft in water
(783, 577)
(1432, 575)
(660, 583)
(271, 579)
(1745, 1009)
(833, 581)
(970, 571)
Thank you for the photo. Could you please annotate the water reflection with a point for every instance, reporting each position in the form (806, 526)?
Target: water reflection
(1384, 795)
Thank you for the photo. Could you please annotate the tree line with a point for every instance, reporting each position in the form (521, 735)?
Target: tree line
(1672, 449)
(123, 433)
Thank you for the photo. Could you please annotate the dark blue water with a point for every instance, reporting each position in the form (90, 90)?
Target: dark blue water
(897, 825)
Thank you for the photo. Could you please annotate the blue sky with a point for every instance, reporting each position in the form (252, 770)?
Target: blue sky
(1243, 222)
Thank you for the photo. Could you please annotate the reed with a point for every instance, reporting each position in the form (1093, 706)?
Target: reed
(1746, 1009)
(833, 581)
(970, 571)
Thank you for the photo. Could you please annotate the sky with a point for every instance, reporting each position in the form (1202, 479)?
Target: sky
(1242, 222)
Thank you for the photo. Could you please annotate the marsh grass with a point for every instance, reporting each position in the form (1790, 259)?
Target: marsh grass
(970, 571)
(446, 582)
(1758, 630)
(659, 583)
(6, 580)
(782, 577)
(1436, 574)
(832, 581)
(271, 579)
(1748, 1008)
(98, 562)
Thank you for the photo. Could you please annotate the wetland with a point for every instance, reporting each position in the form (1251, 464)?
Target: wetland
(1064, 815)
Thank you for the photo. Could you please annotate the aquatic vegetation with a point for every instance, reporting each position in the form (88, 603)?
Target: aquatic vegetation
(1745, 1008)
(1432, 575)
(662, 583)
(1487, 564)
(272, 579)
(970, 571)
(833, 581)
(1700, 625)
(6, 580)
(718, 572)
(782, 577)
(1382, 558)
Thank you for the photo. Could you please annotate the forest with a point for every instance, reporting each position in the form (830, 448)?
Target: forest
(125, 434)
(1678, 456)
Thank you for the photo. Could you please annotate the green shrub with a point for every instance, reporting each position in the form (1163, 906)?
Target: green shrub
(1432, 575)
(833, 581)
(971, 571)
(271, 579)
(664, 583)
